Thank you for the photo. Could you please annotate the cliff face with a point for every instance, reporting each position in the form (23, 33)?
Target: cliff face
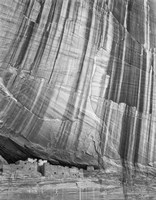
(77, 80)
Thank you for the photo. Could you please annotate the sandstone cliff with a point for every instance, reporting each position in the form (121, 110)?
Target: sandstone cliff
(77, 81)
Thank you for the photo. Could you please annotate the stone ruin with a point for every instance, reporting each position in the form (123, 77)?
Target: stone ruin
(32, 168)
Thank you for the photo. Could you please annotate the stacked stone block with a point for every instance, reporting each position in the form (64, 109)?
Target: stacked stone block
(32, 168)
(54, 171)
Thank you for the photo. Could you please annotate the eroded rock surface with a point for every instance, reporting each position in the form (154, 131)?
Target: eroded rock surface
(77, 81)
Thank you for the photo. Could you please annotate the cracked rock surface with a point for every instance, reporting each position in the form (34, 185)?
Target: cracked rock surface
(77, 81)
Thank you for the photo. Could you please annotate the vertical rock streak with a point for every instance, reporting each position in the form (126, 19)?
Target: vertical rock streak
(77, 80)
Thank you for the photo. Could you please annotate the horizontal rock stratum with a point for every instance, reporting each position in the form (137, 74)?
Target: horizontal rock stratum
(77, 81)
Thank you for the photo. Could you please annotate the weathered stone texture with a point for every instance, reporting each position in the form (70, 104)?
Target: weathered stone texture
(77, 80)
